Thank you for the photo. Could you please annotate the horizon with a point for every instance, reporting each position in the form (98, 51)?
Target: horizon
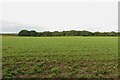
(54, 31)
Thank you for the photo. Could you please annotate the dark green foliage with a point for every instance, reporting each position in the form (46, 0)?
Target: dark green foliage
(66, 33)
(46, 33)
(24, 33)
(33, 33)
(27, 33)
(56, 33)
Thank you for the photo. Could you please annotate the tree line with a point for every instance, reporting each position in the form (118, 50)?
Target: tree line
(66, 33)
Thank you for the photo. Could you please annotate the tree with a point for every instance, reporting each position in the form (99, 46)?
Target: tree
(112, 33)
(46, 33)
(39, 34)
(85, 33)
(67, 33)
(73, 33)
(56, 33)
(33, 33)
(24, 33)
(97, 33)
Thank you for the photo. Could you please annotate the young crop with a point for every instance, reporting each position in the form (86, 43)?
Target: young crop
(66, 57)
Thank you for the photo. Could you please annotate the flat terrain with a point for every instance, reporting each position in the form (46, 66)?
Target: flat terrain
(49, 57)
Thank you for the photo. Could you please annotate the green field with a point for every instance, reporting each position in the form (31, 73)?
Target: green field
(66, 57)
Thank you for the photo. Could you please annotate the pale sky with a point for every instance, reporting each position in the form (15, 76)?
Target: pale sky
(60, 16)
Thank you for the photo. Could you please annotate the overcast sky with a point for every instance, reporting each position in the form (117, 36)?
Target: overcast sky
(59, 16)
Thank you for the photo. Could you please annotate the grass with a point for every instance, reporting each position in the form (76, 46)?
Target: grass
(66, 57)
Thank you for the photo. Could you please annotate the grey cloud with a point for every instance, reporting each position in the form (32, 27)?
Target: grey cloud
(16, 27)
